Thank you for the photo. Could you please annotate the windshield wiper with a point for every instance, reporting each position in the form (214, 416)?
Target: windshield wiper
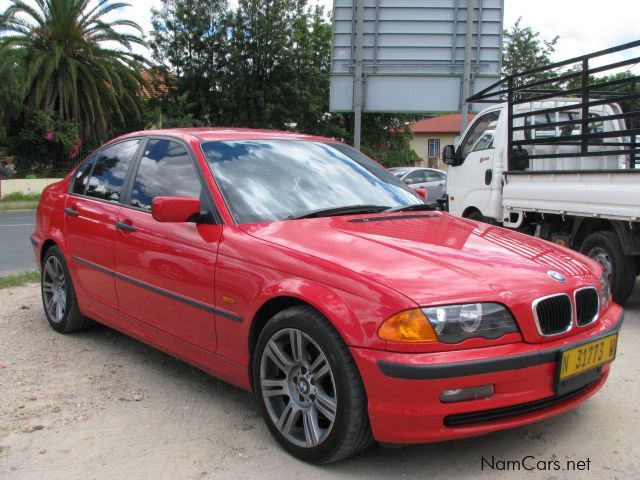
(349, 209)
(409, 208)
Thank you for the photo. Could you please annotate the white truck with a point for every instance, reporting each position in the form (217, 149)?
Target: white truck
(560, 168)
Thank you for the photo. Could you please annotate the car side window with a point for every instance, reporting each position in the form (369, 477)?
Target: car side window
(166, 170)
(110, 171)
(414, 177)
(81, 177)
(431, 176)
(480, 136)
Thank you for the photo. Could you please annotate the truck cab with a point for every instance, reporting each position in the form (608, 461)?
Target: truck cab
(475, 181)
(559, 159)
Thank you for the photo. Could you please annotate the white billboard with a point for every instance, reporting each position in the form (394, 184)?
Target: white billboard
(413, 53)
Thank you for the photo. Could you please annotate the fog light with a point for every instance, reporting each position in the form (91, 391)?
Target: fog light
(462, 394)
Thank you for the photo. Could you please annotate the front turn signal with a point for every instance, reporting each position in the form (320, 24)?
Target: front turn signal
(407, 326)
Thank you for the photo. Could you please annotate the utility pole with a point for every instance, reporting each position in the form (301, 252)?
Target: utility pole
(358, 86)
(466, 78)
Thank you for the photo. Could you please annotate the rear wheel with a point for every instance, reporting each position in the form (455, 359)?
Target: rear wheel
(604, 247)
(58, 295)
(309, 389)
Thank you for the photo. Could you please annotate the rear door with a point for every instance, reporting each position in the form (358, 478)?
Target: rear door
(435, 184)
(165, 271)
(91, 212)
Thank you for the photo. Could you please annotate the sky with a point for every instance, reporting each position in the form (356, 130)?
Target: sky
(583, 25)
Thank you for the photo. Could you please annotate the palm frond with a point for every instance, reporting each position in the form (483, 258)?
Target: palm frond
(76, 62)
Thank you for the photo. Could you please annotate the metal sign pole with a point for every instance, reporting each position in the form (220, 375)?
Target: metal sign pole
(466, 78)
(358, 86)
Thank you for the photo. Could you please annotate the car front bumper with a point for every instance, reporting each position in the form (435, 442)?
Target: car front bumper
(404, 389)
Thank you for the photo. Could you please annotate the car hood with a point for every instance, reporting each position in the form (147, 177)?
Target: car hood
(433, 257)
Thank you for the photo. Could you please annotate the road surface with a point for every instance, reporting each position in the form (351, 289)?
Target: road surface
(15, 248)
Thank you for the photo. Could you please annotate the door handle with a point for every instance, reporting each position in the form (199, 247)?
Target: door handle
(488, 177)
(72, 212)
(125, 227)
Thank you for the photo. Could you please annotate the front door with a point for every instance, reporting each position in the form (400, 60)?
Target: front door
(91, 213)
(469, 184)
(165, 271)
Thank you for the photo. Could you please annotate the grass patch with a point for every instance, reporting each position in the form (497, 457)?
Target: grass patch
(21, 197)
(5, 206)
(18, 279)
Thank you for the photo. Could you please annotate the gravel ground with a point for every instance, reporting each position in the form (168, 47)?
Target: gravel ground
(99, 405)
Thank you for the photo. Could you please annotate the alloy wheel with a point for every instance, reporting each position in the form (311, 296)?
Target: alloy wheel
(298, 387)
(54, 289)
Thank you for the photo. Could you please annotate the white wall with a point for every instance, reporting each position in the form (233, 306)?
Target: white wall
(34, 185)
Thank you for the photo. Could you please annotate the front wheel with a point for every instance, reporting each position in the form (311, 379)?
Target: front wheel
(309, 389)
(604, 247)
(478, 217)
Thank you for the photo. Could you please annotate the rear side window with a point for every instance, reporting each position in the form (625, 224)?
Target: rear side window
(81, 178)
(110, 171)
(166, 170)
(433, 176)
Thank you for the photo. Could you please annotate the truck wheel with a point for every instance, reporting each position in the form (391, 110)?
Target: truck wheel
(478, 217)
(605, 249)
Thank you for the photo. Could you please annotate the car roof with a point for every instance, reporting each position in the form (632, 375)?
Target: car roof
(412, 169)
(206, 134)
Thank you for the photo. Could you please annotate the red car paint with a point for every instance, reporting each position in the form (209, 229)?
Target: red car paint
(357, 274)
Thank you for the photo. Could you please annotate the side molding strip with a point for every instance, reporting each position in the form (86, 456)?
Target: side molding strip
(160, 291)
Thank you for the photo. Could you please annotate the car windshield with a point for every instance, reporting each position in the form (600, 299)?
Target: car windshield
(271, 180)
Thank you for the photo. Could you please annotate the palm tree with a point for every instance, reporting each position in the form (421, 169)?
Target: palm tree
(76, 63)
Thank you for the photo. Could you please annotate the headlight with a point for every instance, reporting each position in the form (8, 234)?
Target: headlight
(455, 323)
(605, 290)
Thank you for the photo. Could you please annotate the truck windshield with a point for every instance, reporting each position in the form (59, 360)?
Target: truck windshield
(481, 134)
(271, 180)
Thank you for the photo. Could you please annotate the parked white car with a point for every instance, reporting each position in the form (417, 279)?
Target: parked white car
(434, 181)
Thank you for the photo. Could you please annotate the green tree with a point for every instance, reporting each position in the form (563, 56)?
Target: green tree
(523, 50)
(188, 39)
(264, 64)
(259, 84)
(77, 64)
(11, 91)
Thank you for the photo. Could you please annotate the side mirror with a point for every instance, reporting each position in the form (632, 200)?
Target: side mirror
(422, 193)
(409, 181)
(175, 209)
(449, 156)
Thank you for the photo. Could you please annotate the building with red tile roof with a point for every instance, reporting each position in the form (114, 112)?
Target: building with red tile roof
(432, 134)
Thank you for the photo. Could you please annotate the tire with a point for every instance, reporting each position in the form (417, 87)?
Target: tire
(58, 295)
(313, 402)
(604, 247)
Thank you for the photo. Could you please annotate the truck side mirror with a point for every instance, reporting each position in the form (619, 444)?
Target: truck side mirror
(449, 156)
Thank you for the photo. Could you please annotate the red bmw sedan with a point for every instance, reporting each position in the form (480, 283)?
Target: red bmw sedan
(295, 267)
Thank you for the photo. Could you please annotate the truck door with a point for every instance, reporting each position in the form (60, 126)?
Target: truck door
(469, 184)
